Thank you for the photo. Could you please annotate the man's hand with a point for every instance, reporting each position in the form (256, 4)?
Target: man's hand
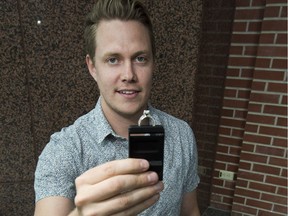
(122, 187)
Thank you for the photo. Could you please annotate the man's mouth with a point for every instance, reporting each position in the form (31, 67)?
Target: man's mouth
(128, 92)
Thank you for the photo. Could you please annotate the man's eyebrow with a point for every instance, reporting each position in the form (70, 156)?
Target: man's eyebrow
(141, 52)
(116, 54)
(111, 54)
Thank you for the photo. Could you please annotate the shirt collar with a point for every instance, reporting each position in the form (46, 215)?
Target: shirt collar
(103, 128)
(154, 115)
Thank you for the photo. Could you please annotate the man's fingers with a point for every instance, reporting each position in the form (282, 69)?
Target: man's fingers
(114, 186)
(112, 168)
(129, 203)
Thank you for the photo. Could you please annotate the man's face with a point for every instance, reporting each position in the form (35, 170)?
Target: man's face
(123, 66)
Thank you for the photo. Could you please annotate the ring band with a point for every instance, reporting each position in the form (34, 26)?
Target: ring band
(146, 114)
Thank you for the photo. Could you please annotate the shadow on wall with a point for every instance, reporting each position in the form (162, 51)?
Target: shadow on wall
(217, 24)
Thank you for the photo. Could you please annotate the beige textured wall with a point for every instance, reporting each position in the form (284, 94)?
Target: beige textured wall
(45, 84)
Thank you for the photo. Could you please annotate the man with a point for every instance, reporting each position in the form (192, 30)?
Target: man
(84, 169)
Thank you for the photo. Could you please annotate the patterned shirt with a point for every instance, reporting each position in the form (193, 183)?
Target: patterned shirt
(91, 141)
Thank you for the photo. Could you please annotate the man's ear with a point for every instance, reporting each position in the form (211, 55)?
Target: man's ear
(91, 67)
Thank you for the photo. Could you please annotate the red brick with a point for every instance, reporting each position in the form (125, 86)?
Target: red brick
(269, 75)
(281, 38)
(227, 200)
(284, 100)
(274, 25)
(272, 11)
(255, 138)
(257, 158)
(216, 182)
(244, 94)
(277, 87)
(240, 114)
(284, 11)
(242, 183)
(268, 213)
(259, 204)
(276, 1)
(229, 184)
(251, 50)
(273, 131)
(223, 191)
(272, 51)
(276, 181)
(251, 128)
(247, 73)
(282, 191)
(267, 98)
(232, 123)
(250, 176)
(275, 110)
(242, 3)
(281, 162)
(239, 200)
(275, 198)
(258, 86)
(248, 147)
(267, 38)
(284, 173)
(227, 158)
(237, 132)
(266, 169)
(237, 83)
(234, 151)
(255, 107)
(244, 209)
(254, 26)
(225, 131)
(260, 3)
(235, 103)
(263, 62)
(236, 50)
(280, 209)
(244, 61)
(215, 197)
(245, 165)
(219, 165)
(249, 14)
(230, 93)
(262, 187)
(279, 64)
(261, 119)
(247, 193)
(270, 150)
(245, 38)
(280, 142)
(239, 26)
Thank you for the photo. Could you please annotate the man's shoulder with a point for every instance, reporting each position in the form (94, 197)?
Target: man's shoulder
(81, 125)
(164, 118)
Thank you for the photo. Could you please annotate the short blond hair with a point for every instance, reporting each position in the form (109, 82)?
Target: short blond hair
(115, 9)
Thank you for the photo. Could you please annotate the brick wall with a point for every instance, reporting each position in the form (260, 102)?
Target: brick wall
(217, 23)
(252, 138)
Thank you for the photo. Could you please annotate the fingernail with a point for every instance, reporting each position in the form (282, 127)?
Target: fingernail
(156, 197)
(144, 164)
(152, 177)
(159, 186)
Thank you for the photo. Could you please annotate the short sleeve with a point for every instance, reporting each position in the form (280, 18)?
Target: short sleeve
(55, 172)
(192, 179)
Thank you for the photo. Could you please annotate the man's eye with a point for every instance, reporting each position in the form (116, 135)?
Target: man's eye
(112, 60)
(141, 59)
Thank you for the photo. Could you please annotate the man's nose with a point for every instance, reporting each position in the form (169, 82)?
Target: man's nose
(128, 73)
